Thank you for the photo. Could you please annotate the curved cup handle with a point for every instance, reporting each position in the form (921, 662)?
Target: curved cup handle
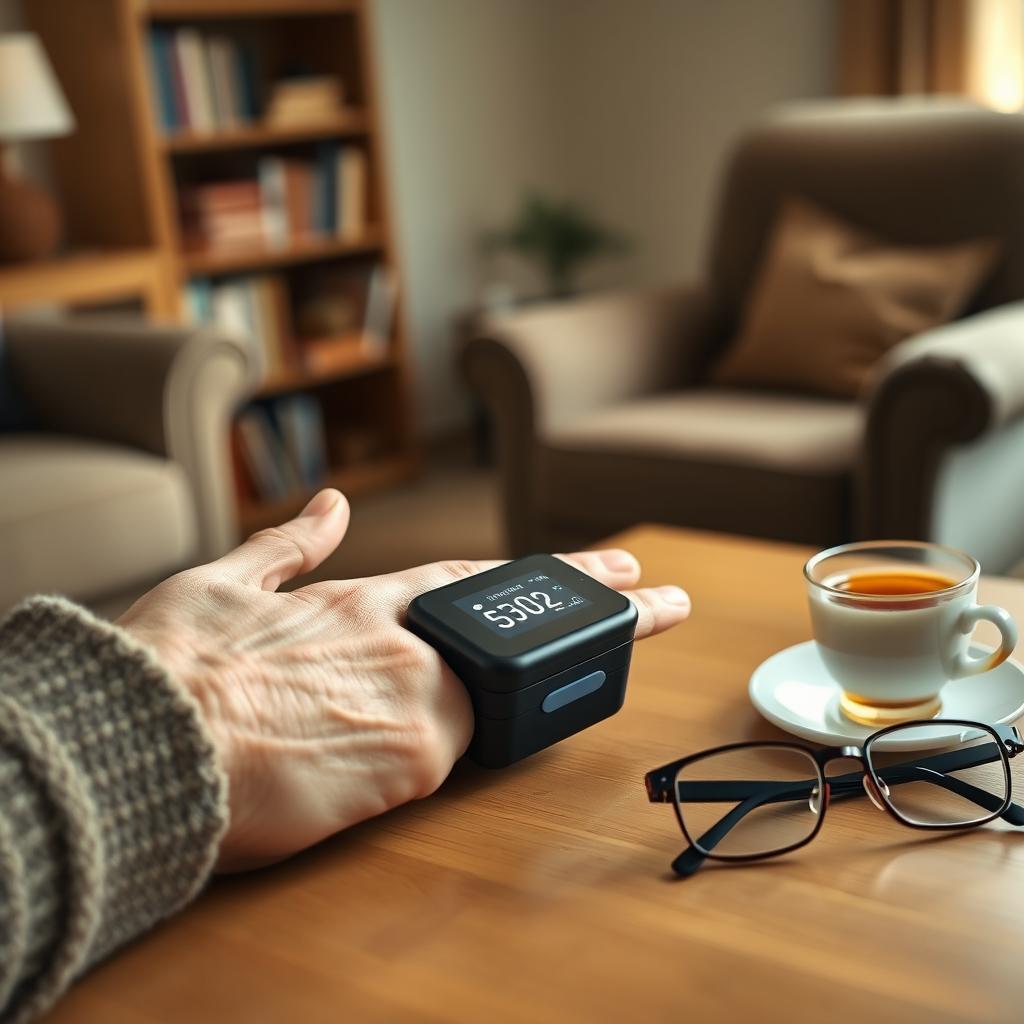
(964, 664)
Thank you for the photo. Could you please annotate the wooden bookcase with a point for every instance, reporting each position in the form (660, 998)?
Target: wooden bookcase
(120, 177)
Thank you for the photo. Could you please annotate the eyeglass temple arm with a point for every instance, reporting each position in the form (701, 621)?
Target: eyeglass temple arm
(850, 784)
(755, 794)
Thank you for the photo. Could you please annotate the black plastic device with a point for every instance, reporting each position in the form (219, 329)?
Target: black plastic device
(542, 647)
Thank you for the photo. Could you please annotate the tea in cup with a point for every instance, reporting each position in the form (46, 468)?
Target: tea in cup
(893, 621)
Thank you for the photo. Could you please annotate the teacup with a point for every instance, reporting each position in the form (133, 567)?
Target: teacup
(893, 622)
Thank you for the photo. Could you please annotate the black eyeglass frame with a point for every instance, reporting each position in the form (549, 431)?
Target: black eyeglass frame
(661, 784)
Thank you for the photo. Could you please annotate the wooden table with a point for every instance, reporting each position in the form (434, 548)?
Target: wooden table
(542, 893)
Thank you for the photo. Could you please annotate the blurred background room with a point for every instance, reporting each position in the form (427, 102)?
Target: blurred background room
(513, 274)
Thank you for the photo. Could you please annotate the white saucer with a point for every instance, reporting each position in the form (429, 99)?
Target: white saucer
(794, 691)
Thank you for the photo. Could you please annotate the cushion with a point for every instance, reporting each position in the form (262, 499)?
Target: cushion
(831, 299)
(767, 465)
(88, 519)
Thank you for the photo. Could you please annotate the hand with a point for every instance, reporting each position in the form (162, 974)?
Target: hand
(323, 709)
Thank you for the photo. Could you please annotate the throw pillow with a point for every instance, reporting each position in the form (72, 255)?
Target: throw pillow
(831, 299)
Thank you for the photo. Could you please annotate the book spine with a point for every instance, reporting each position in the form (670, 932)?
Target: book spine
(326, 183)
(186, 118)
(247, 82)
(192, 57)
(286, 467)
(339, 192)
(353, 220)
(218, 58)
(298, 187)
(274, 201)
(380, 310)
(162, 76)
(258, 449)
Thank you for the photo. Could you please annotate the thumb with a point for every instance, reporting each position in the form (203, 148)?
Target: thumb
(279, 553)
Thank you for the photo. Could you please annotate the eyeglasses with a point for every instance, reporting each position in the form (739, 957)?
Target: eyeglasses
(749, 801)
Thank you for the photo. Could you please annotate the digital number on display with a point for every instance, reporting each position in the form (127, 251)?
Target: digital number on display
(517, 605)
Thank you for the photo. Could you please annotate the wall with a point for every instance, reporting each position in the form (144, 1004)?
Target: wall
(627, 105)
(653, 92)
(467, 119)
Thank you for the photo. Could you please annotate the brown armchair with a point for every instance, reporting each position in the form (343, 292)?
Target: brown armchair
(127, 476)
(603, 417)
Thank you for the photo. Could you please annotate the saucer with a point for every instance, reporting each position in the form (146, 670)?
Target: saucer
(794, 691)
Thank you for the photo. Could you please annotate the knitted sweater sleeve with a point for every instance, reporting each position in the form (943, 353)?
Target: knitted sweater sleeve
(111, 805)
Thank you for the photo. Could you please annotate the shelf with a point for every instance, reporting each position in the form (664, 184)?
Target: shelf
(350, 480)
(301, 379)
(255, 135)
(228, 261)
(219, 10)
(88, 278)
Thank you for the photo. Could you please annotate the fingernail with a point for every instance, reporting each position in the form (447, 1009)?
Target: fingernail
(620, 561)
(321, 503)
(673, 595)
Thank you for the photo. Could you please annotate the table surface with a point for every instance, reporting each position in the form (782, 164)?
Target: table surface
(542, 892)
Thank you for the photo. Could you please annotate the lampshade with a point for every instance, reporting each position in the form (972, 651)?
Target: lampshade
(32, 105)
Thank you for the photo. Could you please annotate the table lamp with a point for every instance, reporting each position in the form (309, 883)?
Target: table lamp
(32, 106)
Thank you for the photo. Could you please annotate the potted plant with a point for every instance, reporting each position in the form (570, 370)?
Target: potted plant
(560, 237)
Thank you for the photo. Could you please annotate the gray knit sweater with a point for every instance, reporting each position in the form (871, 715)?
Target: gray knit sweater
(111, 806)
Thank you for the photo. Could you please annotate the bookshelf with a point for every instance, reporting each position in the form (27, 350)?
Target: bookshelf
(187, 151)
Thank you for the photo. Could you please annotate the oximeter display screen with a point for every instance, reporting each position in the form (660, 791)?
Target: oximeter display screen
(511, 607)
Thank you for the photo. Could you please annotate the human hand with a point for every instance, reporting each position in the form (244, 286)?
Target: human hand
(324, 710)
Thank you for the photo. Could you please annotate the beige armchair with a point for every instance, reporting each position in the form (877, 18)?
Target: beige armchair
(128, 476)
(604, 419)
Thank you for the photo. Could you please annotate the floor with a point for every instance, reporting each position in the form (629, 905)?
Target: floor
(451, 511)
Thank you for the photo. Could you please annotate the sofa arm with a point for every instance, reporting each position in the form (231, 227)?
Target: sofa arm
(546, 365)
(946, 388)
(170, 391)
(574, 357)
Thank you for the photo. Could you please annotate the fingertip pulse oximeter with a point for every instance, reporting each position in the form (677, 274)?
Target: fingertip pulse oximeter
(542, 648)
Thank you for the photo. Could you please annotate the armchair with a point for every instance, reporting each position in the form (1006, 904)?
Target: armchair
(604, 418)
(128, 476)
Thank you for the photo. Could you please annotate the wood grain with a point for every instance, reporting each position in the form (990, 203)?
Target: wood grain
(542, 893)
(89, 279)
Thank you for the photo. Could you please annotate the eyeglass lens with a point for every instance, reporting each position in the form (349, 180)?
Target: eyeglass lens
(941, 783)
(749, 801)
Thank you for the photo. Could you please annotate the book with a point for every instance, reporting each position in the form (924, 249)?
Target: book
(178, 84)
(300, 419)
(305, 100)
(275, 208)
(268, 301)
(220, 55)
(222, 214)
(352, 171)
(247, 83)
(254, 308)
(325, 208)
(264, 454)
(298, 198)
(191, 56)
(381, 299)
(161, 69)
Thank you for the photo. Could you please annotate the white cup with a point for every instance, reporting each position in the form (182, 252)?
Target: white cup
(891, 647)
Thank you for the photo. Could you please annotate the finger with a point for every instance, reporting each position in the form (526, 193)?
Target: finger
(272, 556)
(658, 609)
(613, 567)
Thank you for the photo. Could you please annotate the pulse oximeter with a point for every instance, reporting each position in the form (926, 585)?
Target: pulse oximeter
(542, 648)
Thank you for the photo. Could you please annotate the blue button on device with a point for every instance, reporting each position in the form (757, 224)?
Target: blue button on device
(573, 691)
